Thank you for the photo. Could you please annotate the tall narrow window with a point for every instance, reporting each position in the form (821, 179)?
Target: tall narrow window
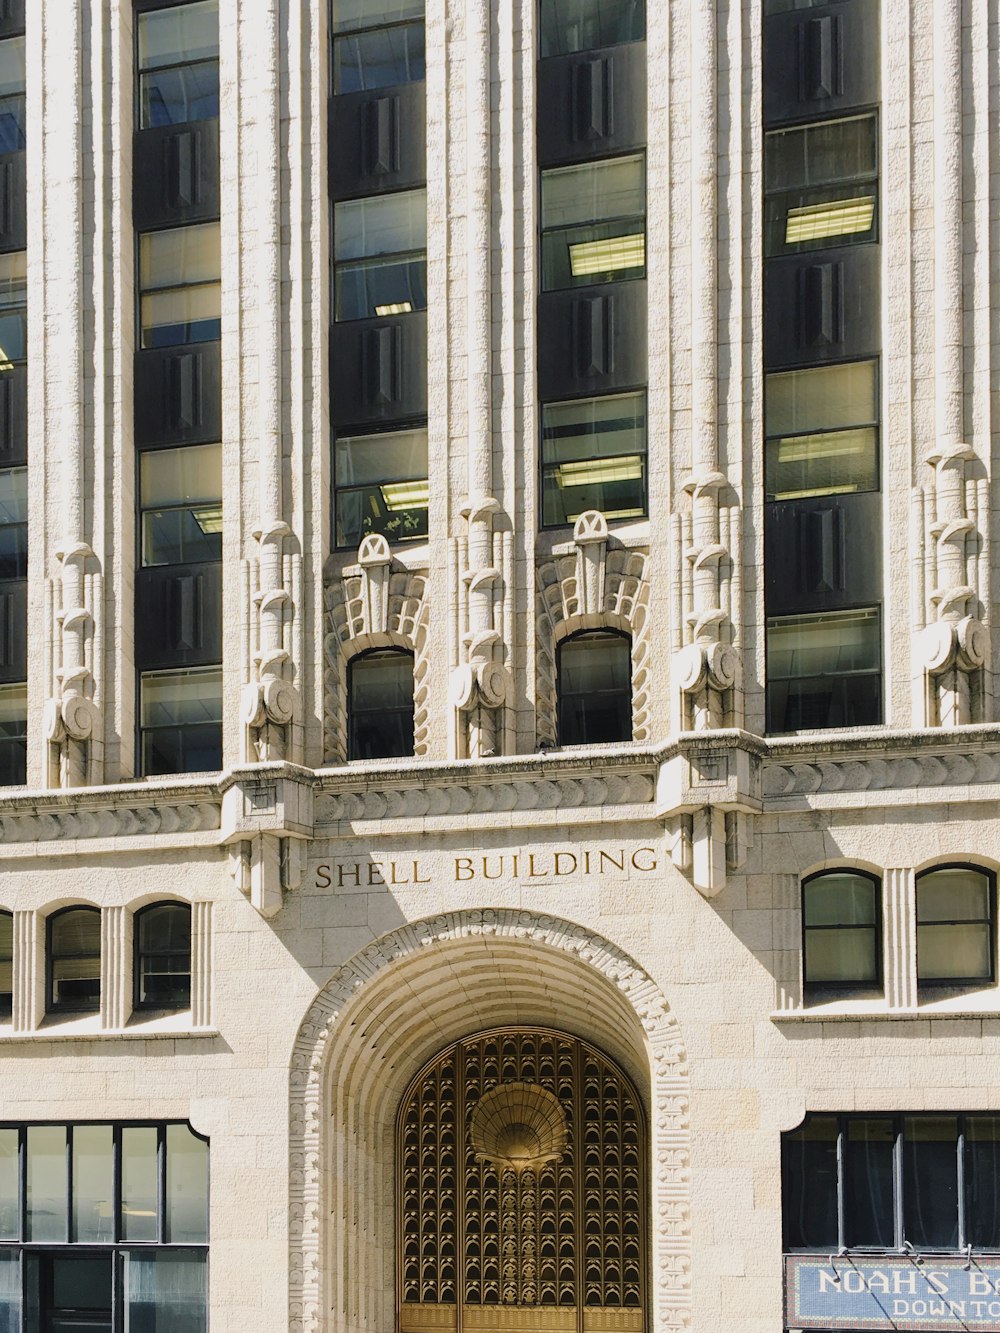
(12, 81)
(74, 960)
(181, 505)
(841, 930)
(380, 705)
(13, 734)
(178, 64)
(377, 45)
(381, 486)
(956, 929)
(163, 956)
(179, 285)
(568, 26)
(6, 970)
(594, 684)
(181, 721)
(594, 223)
(594, 457)
(380, 255)
(821, 184)
(821, 431)
(824, 670)
(13, 309)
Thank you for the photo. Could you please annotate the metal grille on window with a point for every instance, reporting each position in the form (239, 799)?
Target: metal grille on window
(522, 1186)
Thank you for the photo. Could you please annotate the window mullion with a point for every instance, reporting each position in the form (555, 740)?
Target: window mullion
(963, 1238)
(841, 1184)
(897, 1182)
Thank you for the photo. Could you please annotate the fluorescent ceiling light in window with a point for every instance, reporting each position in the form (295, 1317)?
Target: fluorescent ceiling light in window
(5, 362)
(397, 495)
(599, 471)
(398, 308)
(818, 222)
(607, 256)
(208, 519)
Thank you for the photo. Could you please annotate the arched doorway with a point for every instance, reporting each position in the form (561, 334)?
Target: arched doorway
(521, 1189)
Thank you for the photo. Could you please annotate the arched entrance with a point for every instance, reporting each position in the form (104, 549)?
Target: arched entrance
(521, 1189)
(392, 1008)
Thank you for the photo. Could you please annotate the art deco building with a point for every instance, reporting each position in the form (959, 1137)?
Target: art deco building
(499, 723)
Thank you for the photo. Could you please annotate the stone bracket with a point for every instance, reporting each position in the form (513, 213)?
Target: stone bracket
(267, 821)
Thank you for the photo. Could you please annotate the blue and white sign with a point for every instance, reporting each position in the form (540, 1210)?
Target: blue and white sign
(923, 1293)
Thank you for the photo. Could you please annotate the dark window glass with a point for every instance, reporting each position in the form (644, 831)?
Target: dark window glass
(380, 705)
(166, 1292)
(930, 1181)
(567, 26)
(13, 523)
(13, 309)
(982, 1181)
(809, 1184)
(75, 1291)
(163, 956)
(380, 254)
(869, 1182)
(12, 95)
(10, 1291)
(594, 457)
(13, 735)
(955, 930)
(381, 486)
(824, 670)
(594, 685)
(181, 726)
(821, 186)
(75, 960)
(594, 223)
(181, 505)
(179, 285)
(353, 15)
(6, 974)
(178, 64)
(379, 58)
(821, 431)
(840, 926)
(786, 6)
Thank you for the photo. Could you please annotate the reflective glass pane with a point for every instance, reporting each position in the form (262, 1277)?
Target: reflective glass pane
(13, 733)
(594, 457)
(140, 1175)
(959, 953)
(12, 76)
(47, 1192)
(13, 523)
(164, 955)
(179, 34)
(6, 982)
(183, 315)
(166, 1293)
(93, 1184)
(840, 956)
(953, 894)
(839, 899)
(187, 1186)
(380, 706)
(12, 102)
(350, 14)
(9, 1220)
(383, 225)
(594, 192)
(930, 1181)
(182, 509)
(809, 1184)
(982, 1181)
(842, 462)
(868, 1182)
(821, 645)
(820, 154)
(380, 288)
(381, 483)
(179, 257)
(77, 1293)
(10, 1291)
(178, 95)
(182, 721)
(594, 683)
(567, 26)
(75, 959)
(379, 58)
(825, 398)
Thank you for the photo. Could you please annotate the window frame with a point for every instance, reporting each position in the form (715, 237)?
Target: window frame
(641, 391)
(638, 273)
(141, 292)
(7, 1009)
(879, 674)
(141, 73)
(141, 730)
(395, 257)
(813, 988)
(140, 1005)
(605, 632)
(584, 50)
(142, 510)
(370, 653)
(963, 983)
(371, 432)
(52, 1006)
(363, 30)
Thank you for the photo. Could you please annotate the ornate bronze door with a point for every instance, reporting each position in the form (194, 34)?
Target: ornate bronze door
(521, 1190)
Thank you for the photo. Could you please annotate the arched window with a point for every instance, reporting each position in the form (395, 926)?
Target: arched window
(74, 960)
(521, 1160)
(6, 965)
(842, 929)
(163, 956)
(956, 926)
(380, 705)
(594, 685)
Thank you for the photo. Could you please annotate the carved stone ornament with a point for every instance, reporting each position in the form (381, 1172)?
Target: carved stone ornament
(519, 1127)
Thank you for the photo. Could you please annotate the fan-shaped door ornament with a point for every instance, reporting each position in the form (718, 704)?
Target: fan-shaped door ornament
(522, 1191)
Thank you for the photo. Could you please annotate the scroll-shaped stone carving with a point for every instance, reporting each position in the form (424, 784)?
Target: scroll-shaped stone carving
(374, 604)
(595, 584)
(270, 700)
(71, 715)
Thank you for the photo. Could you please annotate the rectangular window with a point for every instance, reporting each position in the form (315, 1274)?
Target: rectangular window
(380, 46)
(178, 55)
(840, 924)
(821, 185)
(568, 26)
(868, 1187)
(824, 670)
(181, 505)
(381, 486)
(821, 431)
(594, 223)
(6, 996)
(13, 309)
(12, 80)
(13, 735)
(380, 254)
(930, 1181)
(181, 721)
(180, 290)
(955, 930)
(13, 523)
(594, 457)
(809, 1184)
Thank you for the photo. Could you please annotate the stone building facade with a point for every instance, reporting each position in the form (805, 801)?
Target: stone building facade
(734, 918)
